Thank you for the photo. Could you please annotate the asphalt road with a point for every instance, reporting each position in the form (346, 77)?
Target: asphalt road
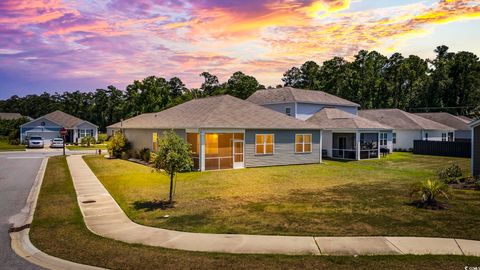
(17, 174)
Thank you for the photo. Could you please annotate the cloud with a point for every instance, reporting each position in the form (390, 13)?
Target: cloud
(123, 40)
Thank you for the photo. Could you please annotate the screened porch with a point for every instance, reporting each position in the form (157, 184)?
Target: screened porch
(355, 145)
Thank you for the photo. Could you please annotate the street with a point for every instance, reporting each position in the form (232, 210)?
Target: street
(17, 174)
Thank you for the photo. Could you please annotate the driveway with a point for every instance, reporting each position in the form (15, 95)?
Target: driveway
(17, 174)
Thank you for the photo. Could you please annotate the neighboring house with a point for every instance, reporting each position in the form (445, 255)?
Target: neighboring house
(459, 123)
(408, 127)
(226, 132)
(475, 129)
(49, 126)
(299, 103)
(345, 134)
(349, 136)
(12, 116)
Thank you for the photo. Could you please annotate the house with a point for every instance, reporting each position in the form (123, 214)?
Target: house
(49, 126)
(300, 103)
(226, 132)
(459, 123)
(349, 136)
(345, 134)
(408, 127)
(475, 130)
(12, 116)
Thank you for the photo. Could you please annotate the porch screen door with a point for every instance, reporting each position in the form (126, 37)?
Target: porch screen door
(237, 149)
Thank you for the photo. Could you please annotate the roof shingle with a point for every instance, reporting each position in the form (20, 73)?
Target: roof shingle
(290, 94)
(331, 118)
(398, 119)
(10, 116)
(456, 122)
(64, 119)
(215, 112)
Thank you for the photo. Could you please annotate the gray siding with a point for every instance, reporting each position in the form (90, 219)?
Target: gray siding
(476, 152)
(142, 138)
(306, 110)
(281, 107)
(463, 134)
(284, 148)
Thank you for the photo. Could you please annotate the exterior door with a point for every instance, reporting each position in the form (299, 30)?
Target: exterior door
(342, 143)
(238, 156)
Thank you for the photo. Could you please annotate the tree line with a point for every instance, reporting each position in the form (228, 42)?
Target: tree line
(449, 82)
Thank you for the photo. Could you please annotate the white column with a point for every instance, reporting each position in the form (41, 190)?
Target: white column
(378, 143)
(321, 145)
(201, 160)
(357, 139)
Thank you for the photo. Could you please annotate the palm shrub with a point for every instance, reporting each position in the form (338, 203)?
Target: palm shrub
(451, 174)
(428, 191)
(173, 156)
(87, 140)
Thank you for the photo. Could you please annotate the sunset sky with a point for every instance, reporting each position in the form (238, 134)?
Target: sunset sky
(54, 45)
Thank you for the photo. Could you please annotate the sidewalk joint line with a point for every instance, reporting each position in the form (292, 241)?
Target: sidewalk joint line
(401, 252)
(455, 239)
(318, 246)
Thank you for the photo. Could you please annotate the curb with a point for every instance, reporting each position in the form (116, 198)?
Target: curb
(19, 233)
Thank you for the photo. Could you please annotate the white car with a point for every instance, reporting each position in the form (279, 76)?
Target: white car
(56, 143)
(35, 142)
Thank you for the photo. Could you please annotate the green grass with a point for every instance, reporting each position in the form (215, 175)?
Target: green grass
(5, 146)
(91, 147)
(332, 199)
(58, 229)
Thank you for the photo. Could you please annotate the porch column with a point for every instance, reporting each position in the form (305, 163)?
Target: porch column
(321, 145)
(378, 144)
(357, 144)
(201, 160)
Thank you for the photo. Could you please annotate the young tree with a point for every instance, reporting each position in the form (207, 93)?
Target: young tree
(173, 156)
(117, 145)
(241, 86)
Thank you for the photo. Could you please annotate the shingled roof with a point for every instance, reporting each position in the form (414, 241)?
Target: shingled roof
(456, 122)
(398, 119)
(215, 112)
(290, 94)
(10, 116)
(63, 119)
(331, 118)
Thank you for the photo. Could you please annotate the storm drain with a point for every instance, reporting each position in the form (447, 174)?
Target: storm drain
(89, 201)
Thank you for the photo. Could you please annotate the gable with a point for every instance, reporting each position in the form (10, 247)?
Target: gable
(41, 122)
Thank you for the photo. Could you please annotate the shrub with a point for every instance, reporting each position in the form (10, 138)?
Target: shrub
(145, 154)
(87, 140)
(102, 137)
(450, 174)
(427, 193)
(117, 145)
(125, 155)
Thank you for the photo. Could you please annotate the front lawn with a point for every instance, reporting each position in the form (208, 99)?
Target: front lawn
(5, 146)
(331, 199)
(91, 147)
(58, 229)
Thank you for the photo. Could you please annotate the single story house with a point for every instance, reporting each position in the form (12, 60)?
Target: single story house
(12, 116)
(460, 124)
(300, 103)
(408, 127)
(228, 133)
(349, 136)
(475, 130)
(49, 126)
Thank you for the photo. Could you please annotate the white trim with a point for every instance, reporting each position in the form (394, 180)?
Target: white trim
(321, 146)
(303, 143)
(474, 123)
(357, 144)
(378, 142)
(472, 155)
(264, 143)
(202, 151)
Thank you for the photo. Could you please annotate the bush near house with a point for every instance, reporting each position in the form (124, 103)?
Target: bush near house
(118, 146)
(451, 174)
(102, 137)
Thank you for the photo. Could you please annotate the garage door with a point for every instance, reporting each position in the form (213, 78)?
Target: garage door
(46, 135)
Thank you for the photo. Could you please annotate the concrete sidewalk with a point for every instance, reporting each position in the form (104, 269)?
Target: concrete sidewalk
(104, 217)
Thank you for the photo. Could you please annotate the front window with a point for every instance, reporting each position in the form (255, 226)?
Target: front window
(383, 139)
(444, 137)
(85, 132)
(394, 138)
(450, 136)
(303, 143)
(288, 111)
(264, 144)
